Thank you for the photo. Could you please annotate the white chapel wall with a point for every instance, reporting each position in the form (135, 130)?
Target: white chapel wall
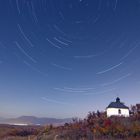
(114, 111)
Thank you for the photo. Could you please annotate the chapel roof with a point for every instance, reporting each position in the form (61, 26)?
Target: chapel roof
(117, 104)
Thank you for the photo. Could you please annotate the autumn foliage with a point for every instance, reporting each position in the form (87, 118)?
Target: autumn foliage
(95, 126)
(98, 125)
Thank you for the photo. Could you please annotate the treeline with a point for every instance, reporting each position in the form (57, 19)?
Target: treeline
(98, 125)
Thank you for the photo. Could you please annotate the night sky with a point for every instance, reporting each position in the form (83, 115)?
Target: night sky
(64, 58)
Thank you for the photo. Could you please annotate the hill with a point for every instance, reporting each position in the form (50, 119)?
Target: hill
(32, 120)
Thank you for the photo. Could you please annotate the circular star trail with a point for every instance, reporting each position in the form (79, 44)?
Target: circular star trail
(56, 55)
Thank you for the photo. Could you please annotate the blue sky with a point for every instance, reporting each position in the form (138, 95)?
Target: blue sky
(66, 58)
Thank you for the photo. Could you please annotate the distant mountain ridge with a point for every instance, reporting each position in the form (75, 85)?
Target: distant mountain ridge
(32, 120)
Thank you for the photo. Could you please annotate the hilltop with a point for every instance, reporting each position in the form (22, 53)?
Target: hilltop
(32, 120)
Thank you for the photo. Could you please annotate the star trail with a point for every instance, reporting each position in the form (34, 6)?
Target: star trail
(64, 58)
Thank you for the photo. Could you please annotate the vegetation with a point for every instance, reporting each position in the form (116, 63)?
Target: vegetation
(12, 132)
(94, 126)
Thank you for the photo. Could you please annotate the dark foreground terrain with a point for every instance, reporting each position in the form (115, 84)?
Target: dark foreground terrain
(12, 132)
